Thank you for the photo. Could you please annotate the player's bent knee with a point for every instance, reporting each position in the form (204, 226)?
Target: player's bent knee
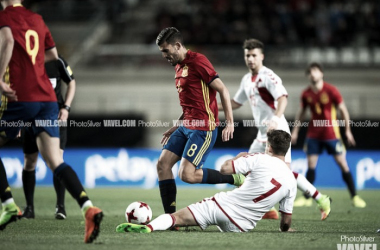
(162, 166)
(187, 177)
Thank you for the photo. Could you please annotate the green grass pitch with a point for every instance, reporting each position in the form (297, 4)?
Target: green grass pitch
(44, 232)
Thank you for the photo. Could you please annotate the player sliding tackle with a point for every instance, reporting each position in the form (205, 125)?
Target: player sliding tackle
(267, 96)
(268, 181)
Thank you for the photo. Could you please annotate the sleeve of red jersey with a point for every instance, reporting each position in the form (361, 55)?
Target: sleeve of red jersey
(336, 96)
(3, 20)
(49, 42)
(205, 69)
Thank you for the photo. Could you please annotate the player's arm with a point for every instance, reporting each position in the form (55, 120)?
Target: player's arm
(285, 223)
(346, 116)
(224, 94)
(228, 166)
(51, 54)
(166, 135)
(282, 102)
(69, 97)
(300, 116)
(67, 76)
(6, 49)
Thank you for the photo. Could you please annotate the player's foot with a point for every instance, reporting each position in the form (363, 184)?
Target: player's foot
(60, 213)
(238, 179)
(134, 228)
(303, 202)
(271, 214)
(324, 205)
(28, 212)
(93, 217)
(358, 202)
(11, 213)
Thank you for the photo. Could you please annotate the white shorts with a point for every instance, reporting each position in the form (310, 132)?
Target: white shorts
(207, 212)
(259, 147)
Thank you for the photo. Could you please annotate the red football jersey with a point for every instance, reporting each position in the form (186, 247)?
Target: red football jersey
(192, 78)
(26, 70)
(323, 106)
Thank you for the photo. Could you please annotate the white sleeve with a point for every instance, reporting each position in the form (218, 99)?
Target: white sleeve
(240, 96)
(286, 204)
(245, 164)
(274, 85)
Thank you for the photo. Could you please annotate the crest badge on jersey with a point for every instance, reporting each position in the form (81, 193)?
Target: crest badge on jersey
(185, 71)
(324, 98)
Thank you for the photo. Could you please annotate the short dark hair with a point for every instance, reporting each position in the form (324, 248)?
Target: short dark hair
(253, 44)
(279, 140)
(170, 35)
(313, 65)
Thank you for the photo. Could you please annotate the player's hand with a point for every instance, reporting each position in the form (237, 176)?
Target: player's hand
(167, 135)
(7, 91)
(273, 123)
(228, 131)
(63, 115)
(350, 138)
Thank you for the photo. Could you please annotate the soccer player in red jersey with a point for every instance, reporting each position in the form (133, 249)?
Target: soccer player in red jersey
(324, 101)
(28, 96)
(194, 135)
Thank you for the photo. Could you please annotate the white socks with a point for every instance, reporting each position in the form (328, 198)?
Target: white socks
(162, 222)
(9, 201)
(307, 188)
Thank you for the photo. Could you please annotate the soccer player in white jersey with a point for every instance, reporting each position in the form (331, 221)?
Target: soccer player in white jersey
(268, 100)
(268, 181)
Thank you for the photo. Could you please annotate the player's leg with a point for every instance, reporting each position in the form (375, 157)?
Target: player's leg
(10, 211)
(166, 182)
(29, 183)
(337, 149)
(60, 212)
(182, 217)
(48, 145)
(195, 153)
(313, 148)
(30, 150)
(49, 149)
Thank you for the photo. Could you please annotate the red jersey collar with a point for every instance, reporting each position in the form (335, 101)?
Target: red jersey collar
(15, 5)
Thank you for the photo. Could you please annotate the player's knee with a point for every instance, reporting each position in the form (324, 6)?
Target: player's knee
(30, 161)
(162, 166)
(187, 177)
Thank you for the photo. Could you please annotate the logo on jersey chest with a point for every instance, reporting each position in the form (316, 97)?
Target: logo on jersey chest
(185, 71)
(324, 98)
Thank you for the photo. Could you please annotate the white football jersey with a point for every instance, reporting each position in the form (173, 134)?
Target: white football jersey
(262, 92)
(269, 181)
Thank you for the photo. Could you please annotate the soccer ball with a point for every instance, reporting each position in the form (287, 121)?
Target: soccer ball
(138, 213)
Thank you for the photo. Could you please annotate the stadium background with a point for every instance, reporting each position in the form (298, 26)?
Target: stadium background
(121, 75)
